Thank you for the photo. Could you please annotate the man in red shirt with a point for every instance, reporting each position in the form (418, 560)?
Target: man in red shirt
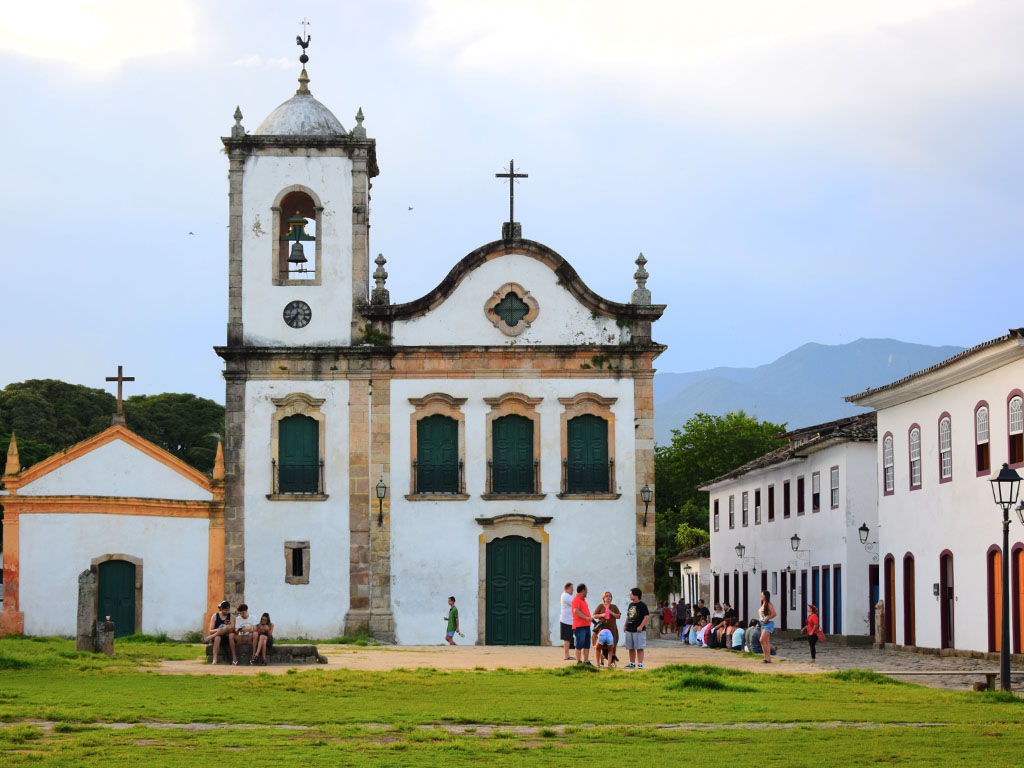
(581, 624)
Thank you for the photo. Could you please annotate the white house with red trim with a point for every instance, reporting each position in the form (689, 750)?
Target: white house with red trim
(819, 487)
(943, 432)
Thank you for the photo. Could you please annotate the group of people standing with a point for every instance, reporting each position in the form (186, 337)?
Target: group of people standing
(581, 629)
(242, 625)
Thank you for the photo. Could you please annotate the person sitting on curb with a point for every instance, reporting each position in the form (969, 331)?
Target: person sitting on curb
(222, 624)
(264, 640)
(245, 624)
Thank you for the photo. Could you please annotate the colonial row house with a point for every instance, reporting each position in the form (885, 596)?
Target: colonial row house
(488, 440)
(789, 522)
(694, 566)
(943, 433)
(151, 525)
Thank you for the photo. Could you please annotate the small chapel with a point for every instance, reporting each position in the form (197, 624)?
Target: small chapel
(489, 440)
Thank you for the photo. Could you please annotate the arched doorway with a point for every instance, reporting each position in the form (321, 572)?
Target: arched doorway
(116, 595)
(1017, 581)
(513, 591)
(890, 599)
(947, 596)
(909, 609)
(994, 563)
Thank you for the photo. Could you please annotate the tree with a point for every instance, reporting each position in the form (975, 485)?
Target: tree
(706, 447)
(187, 426)
(688, 537)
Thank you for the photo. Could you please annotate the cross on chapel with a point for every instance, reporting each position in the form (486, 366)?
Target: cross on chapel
(511, 229)
(118, 418)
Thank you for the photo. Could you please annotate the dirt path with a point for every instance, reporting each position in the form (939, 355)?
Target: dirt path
(380, 658)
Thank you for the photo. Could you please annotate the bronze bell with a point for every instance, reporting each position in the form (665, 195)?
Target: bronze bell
(297, 256)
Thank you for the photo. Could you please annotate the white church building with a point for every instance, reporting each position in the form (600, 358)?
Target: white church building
(788, 522)
(943, 432)
(382, 456)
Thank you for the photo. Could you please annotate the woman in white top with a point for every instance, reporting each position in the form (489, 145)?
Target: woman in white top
(767, 615)
(565, 620)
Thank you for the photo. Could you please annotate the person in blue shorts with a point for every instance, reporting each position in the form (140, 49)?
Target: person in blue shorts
(605, 642)
(453, 622)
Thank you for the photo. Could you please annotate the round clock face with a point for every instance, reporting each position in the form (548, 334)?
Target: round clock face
(297, 314)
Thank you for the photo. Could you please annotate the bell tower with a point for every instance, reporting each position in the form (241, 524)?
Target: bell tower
(298, 280)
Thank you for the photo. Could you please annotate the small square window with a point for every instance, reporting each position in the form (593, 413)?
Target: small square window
(296, 562)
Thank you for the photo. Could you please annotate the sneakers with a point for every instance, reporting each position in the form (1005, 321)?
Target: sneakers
(234, 662)
(631, 665)
(640, 665)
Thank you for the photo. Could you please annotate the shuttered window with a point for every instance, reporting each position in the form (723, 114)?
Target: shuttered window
(437, 455)
(512, 455)
(587, 462)
(298, 457)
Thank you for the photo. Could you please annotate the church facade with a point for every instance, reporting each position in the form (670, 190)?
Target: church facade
(488, 440)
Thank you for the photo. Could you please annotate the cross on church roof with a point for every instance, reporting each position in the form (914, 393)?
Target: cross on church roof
(511, 175)
(120, 379)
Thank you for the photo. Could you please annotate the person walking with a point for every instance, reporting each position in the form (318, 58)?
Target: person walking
(766, 613)
(637, 616)
(453, 622)
(813, 630)
(565, 621)
(581, 624)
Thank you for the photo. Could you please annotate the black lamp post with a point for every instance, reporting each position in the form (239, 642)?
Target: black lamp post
(864, 531)
(794, 542)
(646, 494)
(1005, 489)
(869, 546)
(740, 550)
(382, 491)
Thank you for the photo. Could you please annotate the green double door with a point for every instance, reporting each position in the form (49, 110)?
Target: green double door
(513, 592)
(116, 591)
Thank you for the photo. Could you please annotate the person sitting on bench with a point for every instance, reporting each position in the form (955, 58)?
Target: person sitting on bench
(222, 624)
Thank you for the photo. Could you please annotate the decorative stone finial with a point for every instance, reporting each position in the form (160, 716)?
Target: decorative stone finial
(238, 130)
(641, 295)
(218, 463)
(13, 460)
(380, 294)
(359, 132)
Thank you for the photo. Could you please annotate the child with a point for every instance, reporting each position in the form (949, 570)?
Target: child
(605, 641)
(738, 635)
(453, 622)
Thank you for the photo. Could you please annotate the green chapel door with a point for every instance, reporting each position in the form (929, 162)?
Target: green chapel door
(513, 592)
(117, 595)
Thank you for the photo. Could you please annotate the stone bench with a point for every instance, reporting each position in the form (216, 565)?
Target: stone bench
(279, 654)
(989, 675)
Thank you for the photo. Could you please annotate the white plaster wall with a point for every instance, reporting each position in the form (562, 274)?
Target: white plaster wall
(56, 548)
(262, 301)
(830, 534)
(316, 609)
(958, 515)
(461, 318)
(116, 469)
(435, 544)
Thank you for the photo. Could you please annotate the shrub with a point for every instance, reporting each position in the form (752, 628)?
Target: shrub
(861, 676)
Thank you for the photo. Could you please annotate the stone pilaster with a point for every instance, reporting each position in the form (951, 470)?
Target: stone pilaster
(12, 621)
(360, 238)
(236, 169)
(358, 617)
(643, 407)
(234, 487)
(382, 620)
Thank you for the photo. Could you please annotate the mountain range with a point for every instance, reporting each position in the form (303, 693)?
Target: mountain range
(801, 388)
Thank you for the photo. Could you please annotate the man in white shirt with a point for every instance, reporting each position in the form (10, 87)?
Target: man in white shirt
(565, 621)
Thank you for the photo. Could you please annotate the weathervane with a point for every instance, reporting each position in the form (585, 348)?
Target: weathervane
(304, 44)
(511, 230)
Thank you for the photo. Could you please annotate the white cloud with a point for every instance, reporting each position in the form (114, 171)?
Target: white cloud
(248, 62)
(254, 60)
(282, 63)
(97, 36)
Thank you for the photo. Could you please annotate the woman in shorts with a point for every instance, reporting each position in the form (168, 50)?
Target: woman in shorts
(604, 642)
(766, 613)
(264, 640)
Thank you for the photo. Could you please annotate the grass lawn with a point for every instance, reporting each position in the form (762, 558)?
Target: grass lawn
(544, 717)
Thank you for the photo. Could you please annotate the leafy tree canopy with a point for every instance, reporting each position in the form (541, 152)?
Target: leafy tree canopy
(49, 415)
(707, 446)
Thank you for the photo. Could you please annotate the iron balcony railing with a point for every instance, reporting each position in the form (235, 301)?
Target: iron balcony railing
(577, 480)
(505, 479)
(436, 484)
(305, 479)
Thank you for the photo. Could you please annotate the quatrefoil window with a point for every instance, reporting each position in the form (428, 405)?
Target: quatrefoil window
(511, 309)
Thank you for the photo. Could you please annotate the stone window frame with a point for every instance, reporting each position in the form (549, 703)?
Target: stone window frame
(275, 264)
(290, 548)
(434, 404)
(297, 403)
(518, 404)
(137, 562)
(588, 403)
(495, 299)
(499, 527)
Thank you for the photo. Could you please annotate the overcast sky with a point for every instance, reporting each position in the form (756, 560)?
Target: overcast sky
(794, 171)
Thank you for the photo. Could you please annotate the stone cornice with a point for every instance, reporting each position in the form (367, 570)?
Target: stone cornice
(567, 276)
(252, 145)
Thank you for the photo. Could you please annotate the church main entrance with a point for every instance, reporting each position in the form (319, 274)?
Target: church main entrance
(513, 591)
(116, 592)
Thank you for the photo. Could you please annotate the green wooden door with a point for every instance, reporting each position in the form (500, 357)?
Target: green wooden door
(437, 455)
(298, 455)
(117, 595)
(587, 444)
(513, 592)
(512, 455)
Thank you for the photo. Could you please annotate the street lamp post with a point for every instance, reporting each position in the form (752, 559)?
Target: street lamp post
(382, 491)
(646, 494)
(869, 546)
(740, 552)
(1005, 489)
